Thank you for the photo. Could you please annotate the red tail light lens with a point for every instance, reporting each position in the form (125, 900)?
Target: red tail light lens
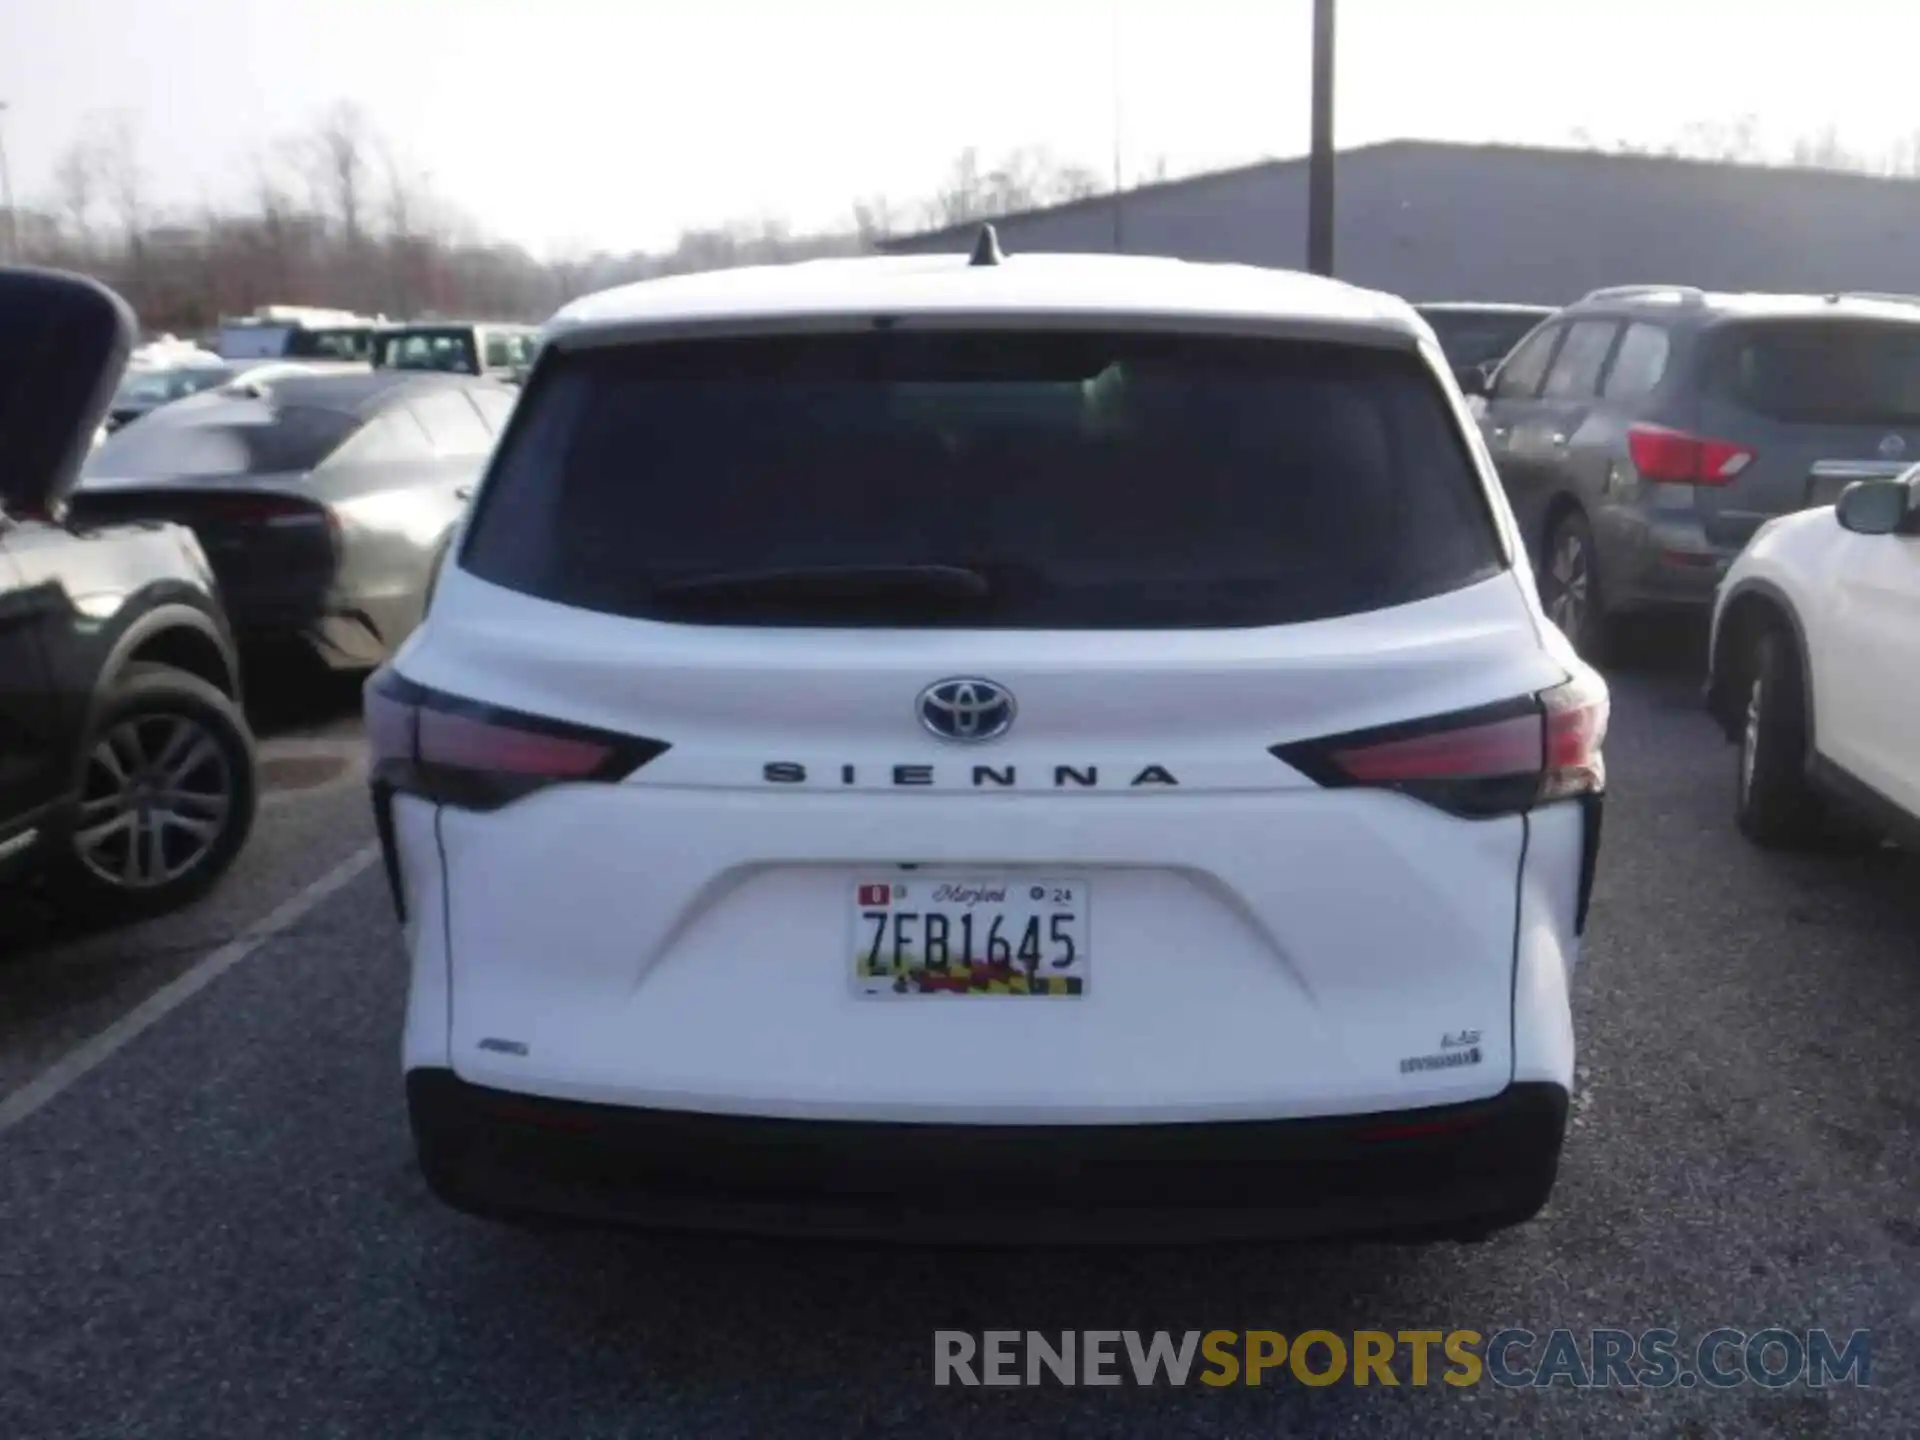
(1497, 760)
(1673, 457)
(1577, 714)
(480, 757)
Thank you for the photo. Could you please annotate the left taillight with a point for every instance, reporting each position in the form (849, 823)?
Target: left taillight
(478, 756)
(1673, 457)
(1493, 760)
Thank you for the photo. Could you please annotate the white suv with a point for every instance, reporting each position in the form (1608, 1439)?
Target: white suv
(1017, 749)
(1815, 667)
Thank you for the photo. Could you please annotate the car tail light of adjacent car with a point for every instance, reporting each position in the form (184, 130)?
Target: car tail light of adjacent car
(478, 756)
(1498, 759)
(1673, 457)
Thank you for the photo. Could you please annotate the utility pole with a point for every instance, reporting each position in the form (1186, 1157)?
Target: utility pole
(1320, 155)
(6, 196)
(1119, 204)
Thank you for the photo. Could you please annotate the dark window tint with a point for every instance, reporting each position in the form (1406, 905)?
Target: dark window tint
(452, 423)
(1824, 371)
(1576, 369)
(1469, 337)
(356, 344)
(449, 351)
(500, 350)
(1639, 364)
(1092, 480)
(1523, 370)
(227, 438)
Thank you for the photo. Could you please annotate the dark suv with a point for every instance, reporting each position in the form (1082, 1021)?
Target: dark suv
(1646, 432)
(126, 766)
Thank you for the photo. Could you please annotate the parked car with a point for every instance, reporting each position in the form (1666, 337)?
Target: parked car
(126, 767)
(941, 777)
(297, 332)
(1645, 433)
(146, 390)
(324, 500)
(501, 351)
(1476, 336)
(149, 388)
(1815, 667)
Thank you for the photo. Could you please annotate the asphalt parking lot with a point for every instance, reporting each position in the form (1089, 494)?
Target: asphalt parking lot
(218, 1231)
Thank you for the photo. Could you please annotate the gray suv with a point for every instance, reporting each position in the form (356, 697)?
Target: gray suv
(1644, 433)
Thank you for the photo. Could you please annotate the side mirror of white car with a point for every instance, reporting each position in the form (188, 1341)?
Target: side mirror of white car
(1878, 507)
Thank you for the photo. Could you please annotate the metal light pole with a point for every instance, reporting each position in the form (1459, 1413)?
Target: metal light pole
(6, 194)
(1119, 199)
(1320, 156)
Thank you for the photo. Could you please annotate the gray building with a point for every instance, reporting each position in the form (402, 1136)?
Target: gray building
(1435, 221)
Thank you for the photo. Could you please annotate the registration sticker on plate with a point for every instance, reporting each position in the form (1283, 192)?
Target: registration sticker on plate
(968, 935)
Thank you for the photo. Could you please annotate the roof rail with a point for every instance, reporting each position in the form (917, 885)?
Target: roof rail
(1683, 294)
(1888, 297)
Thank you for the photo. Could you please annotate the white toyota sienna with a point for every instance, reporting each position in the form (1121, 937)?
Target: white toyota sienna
(1032, 749)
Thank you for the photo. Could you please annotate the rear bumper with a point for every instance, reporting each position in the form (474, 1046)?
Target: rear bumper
(1675, 572)
(1446, 1171)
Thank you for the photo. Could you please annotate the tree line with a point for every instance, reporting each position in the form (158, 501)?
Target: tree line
(336, 216)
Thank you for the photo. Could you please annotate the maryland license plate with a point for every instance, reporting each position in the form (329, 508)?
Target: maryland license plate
(972, 934)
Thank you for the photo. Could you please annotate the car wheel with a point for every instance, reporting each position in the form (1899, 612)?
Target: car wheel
(167, 795)
(1570, 586)
(1776, 806)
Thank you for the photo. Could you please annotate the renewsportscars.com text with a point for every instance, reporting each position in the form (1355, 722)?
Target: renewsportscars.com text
(1718, 1359)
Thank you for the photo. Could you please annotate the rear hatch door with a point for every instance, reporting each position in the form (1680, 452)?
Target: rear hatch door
(1183, 557)
(1819, 401)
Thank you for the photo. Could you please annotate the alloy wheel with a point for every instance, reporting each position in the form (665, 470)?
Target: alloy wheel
(1750, 737)
(1571, 582)
(157, 798)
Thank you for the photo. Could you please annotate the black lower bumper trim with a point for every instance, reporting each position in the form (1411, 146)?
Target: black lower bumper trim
(1459, 1170)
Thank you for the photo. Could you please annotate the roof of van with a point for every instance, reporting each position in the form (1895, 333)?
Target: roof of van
(1027, 286)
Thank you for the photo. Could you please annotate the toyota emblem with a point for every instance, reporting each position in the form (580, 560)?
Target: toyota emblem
(1892, 448)
(966, 709)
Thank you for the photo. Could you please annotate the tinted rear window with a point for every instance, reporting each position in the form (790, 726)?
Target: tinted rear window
(1821, 371)
(227, 440)
(1474, 338)
(449, 351)
(1098, 479)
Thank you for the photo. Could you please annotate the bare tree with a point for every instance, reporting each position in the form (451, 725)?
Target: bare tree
(126, 183)
(874, 219)
(963, 196)
(77, 186)
(343, 146)
(1823, 150)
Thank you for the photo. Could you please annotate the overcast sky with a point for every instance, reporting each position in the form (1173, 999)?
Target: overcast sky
(614, 123)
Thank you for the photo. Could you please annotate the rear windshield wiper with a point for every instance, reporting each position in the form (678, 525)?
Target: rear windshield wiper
(953, 583)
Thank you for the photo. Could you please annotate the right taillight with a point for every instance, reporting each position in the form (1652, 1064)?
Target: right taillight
(1673, 457)
(1493, 760)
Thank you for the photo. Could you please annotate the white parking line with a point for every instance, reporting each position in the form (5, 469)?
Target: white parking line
(84, 1058)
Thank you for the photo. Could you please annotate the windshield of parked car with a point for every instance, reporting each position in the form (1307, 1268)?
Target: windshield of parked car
(225, 439)
(449, 350)
(146, 388)
(1863, 372)
(1098, 479)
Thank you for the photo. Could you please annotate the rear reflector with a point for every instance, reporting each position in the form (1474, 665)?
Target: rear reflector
(1496, 760)
(479, 757)
(1673, 457)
